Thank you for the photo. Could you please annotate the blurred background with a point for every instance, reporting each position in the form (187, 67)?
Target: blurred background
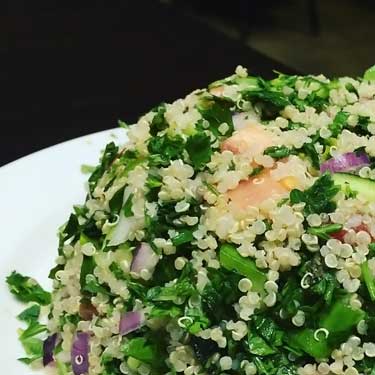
(334, 37)
(75, 67)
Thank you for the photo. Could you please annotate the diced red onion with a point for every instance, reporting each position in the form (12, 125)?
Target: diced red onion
(144, 258)
(80, 354)
(345, 162)
(130, 322)
(48, 347)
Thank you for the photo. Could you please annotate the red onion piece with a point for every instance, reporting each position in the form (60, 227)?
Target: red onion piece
(345, 162)
(80, 354)
(144, 258)
(48, 347)
(130, 322)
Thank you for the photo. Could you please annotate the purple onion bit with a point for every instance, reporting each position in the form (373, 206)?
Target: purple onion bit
(144, 258)
(130, 322)
(80, 354)
(345, 162)
(49, 345)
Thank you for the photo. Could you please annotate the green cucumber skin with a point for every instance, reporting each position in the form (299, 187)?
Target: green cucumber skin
(363, 186)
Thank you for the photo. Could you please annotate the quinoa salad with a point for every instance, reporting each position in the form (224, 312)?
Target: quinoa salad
(234, 233)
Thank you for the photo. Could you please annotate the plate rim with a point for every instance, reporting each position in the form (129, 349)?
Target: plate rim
(53, 146)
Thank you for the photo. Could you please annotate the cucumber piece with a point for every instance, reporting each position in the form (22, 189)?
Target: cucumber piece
(363, 186)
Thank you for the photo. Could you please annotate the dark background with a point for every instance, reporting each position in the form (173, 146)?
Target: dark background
(73, 68)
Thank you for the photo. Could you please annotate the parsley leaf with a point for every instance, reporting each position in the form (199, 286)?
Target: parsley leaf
(87, 268)
(30, 314)
(216, 114)
(115, 203)
(140, 349)
(198, 146)
(107, 159)
(277, 152)
(164, 149)
(232, 260)
(181, 288)
(183, 236)
(317, 198)
(27, 289)
(159, 122)
(338, 123)
(128, 212)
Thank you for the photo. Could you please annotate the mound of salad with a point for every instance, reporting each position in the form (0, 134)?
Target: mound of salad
(234, 233)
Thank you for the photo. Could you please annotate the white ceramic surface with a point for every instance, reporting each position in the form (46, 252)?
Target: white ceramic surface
(37, 193)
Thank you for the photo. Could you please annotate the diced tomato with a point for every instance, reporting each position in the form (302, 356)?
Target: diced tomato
(341, 234)
(252, 139)
(255, 190)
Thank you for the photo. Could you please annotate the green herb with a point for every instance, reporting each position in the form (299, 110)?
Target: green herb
(117, 271)
(87, 169)
(71, 228)
(148, 350)
(220, 294)
(338, 123)
(325, 287)
(256, 171)
(122, 124)
(30, 314)
(182, 237)
(277, 364)
(198, 146)
(32, 345)
(304, 340)
(195, 320)
(128, 212)
(277, 152)
(153, 181)
(268, 329)
(164, 149)
(27, 289)
(94, 287)
(61, 368)
(317, 198)
(165, 310)
(341, 318)
(368, 279)
(266, 94)
(325, 231)
(159, 122)
(309, 150)
(139, 348)
(130, 159)
(107, 159)
(34, 328)
(231, 260)
(217, 113)
(258, 346)
(116, 201)
(211, 188)
(182, 289)
(87, 268)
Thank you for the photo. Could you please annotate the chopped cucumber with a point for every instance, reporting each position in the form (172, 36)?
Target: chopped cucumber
(363, 186)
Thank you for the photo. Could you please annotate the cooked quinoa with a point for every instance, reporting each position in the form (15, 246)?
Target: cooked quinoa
(234, 233)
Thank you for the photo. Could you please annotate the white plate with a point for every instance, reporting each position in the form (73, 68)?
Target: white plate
(37, 193)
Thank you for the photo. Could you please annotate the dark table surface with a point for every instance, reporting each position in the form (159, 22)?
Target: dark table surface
(73, 71)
